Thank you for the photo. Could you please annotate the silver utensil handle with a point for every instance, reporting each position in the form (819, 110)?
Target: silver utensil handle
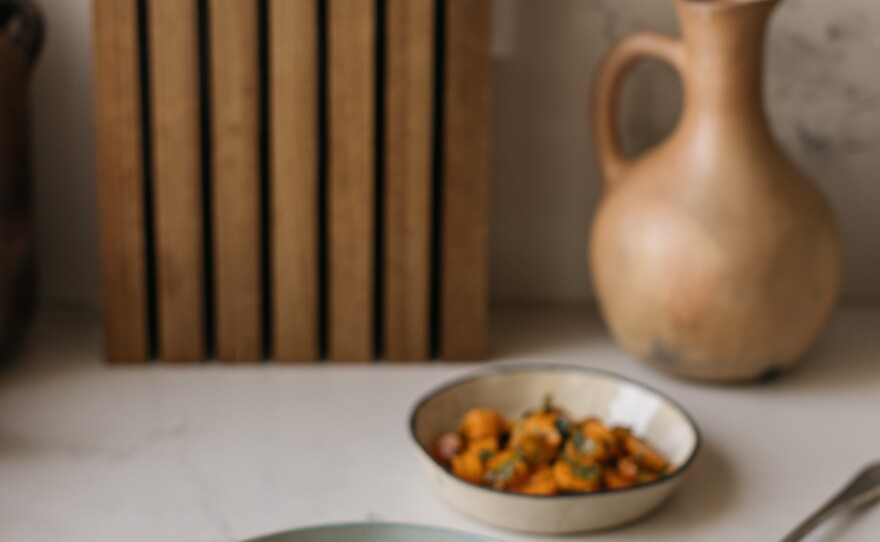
(807, 526)
(863, 490)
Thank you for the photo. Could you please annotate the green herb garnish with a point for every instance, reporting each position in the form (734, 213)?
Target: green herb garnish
(587, 472)
(584, 444)
(563, 426)
(503, 473)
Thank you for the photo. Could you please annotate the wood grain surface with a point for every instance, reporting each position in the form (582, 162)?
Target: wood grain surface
(177, 179)
(294, 178)
(121, 180)
(409, 152)
(351, 172)
(235, 123)
(401, 204)
(465, 184)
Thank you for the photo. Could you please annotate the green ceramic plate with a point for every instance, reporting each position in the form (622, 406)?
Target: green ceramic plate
(372, 532)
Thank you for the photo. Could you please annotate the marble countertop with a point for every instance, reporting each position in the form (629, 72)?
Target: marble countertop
(92, 453)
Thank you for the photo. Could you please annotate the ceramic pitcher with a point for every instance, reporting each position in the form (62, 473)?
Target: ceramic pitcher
(713, 256)
(20, 39)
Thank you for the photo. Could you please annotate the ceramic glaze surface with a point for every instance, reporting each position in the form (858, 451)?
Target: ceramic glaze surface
(713, 256)
(581, 392)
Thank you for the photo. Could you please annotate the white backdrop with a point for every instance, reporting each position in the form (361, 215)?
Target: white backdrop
(823, 94)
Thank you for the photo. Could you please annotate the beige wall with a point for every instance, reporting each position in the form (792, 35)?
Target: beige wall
(823, 93)
(64, 156)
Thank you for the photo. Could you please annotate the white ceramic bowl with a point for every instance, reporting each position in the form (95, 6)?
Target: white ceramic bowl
(582, 392)
(372, 532)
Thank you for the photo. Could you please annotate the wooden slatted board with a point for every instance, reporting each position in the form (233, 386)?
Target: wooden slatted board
(309, 181)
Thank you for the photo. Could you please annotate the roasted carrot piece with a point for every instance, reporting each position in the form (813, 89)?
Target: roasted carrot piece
(506, 470)
(598, 432)
(537, 438)
(484, 446)
(469, 466)
(644, 456)
(584, 449)
(482, 422)
(628, 469)
(571, 476)
(613, 479)
(541, 482)
(621, 433)
(647, 476)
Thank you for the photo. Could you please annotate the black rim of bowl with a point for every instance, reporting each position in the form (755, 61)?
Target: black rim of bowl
(495, 370)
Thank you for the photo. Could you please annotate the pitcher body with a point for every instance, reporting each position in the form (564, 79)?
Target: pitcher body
(713, 256)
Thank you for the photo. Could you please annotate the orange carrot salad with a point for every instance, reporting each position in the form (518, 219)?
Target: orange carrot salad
(545, 452)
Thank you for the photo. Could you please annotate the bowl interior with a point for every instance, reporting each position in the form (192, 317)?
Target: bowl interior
(581, 392)
(372, 532)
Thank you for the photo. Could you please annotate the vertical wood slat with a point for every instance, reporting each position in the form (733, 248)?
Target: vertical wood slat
(121, 180)
(351, 190)
(408, 222)
(294, 178)
(235, 167)
(465, 184)
(177, 192)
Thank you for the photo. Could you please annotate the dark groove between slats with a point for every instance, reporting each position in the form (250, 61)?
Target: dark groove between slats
(265, 172)
(147, 142)
(379, 182)
(323, 160)
(437, 189)
(207, 170)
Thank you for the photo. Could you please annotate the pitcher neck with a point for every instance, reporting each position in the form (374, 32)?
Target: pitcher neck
(725, 55)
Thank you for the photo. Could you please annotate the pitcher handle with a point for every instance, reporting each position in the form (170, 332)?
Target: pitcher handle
(611, 73)
(21, 22)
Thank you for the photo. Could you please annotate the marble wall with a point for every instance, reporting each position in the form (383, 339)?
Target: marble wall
(822, 93)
